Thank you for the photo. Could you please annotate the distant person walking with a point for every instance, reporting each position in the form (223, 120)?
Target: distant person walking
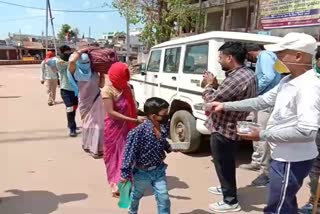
(66, 90)
(49, 77)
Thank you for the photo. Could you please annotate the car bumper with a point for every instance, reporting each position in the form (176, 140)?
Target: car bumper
(201, 128)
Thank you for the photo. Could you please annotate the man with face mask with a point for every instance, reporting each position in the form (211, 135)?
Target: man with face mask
(315, 170)
(67, 93)
(240, 83)
(267, 78)
(294, 121)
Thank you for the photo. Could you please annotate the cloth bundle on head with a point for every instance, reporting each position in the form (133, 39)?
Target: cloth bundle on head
(82, 73)
(119, 77)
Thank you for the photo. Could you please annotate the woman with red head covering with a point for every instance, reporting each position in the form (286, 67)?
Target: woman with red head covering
(49, 77)
(121, 117)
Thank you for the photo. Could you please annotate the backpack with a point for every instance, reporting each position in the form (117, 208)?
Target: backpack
(102, 59)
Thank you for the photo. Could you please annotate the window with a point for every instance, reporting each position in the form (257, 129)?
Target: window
(196, 59)
(172, 60)
(154, 61)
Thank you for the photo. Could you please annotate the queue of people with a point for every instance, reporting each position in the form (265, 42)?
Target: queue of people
(134, 148)
(291, 129)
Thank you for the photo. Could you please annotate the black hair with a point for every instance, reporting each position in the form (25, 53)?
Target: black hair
(253, 47)
(154, 105)
(64, 48)
(235, 49)
(318, 53)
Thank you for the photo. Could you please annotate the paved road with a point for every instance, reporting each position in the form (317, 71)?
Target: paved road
(43, 171)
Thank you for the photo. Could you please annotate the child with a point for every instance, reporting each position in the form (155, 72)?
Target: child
(144, 156)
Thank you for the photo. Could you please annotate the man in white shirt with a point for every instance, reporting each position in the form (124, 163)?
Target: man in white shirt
(293, 124)
(49, 77)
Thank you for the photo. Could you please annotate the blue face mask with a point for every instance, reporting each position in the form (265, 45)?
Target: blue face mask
(83, 68)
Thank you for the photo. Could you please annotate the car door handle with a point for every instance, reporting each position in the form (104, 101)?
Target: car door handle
(155, 76)
(174, 78)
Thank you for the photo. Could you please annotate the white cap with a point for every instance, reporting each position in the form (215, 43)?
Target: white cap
(295, 41)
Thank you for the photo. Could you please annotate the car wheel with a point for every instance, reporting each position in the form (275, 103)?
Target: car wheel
(183, 129)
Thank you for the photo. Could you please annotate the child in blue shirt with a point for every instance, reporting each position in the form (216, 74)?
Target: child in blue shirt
(144, 156)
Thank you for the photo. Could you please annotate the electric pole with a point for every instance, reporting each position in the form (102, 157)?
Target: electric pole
(47, 26)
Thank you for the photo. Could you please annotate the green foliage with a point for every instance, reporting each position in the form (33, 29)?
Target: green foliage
(65, 28)
(161, 18)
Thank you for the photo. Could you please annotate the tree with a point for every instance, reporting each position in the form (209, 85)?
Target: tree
(67, 30)
(162, 19)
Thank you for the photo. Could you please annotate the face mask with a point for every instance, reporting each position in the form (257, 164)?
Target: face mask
(65, 57)
(280, 67)
(164, 119)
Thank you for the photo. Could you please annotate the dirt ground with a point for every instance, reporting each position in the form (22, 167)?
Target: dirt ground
(44, 171)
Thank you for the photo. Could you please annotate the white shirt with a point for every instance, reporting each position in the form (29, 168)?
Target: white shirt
(296, 104)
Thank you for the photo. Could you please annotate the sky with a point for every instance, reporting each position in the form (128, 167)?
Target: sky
(31, 21)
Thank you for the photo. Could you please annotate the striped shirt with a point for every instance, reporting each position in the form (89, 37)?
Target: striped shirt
(239, 84)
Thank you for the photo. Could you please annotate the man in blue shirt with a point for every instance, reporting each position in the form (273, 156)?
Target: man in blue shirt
(267, 79)
(144, 156)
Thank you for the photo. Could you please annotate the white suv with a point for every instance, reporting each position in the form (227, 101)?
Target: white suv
(174, 72)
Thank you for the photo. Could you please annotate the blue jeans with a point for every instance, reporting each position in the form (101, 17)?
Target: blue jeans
(157, 179)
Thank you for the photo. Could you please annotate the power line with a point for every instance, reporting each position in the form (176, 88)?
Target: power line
(18, 19)
(90, 10)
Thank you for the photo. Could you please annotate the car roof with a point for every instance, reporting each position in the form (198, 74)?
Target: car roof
(240, 36)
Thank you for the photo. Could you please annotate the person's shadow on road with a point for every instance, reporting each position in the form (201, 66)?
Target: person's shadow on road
(36, 202)
(251, 197)
(173, 183)
(197, 212)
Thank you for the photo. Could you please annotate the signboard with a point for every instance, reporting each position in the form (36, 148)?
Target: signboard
(289, 13)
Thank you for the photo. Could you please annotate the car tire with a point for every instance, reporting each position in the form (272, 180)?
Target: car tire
(183, 129)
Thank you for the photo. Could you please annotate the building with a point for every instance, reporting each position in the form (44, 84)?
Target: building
(229, 15)
(8, 52)
(268, 17)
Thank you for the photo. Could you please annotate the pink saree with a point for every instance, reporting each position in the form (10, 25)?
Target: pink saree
(115, 134)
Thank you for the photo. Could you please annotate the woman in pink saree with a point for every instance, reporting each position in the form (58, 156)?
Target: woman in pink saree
(120, 118)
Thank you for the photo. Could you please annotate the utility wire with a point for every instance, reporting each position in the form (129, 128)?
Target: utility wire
(24, 18)
(90, 10)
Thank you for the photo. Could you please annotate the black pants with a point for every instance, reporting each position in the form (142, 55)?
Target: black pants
(71, 102)
(223, 152)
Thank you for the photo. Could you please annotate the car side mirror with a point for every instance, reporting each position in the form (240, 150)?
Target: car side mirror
(142, 69)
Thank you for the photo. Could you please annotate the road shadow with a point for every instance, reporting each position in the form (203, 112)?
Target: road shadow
(173, 183)
(197, 212)
(34, 131)
(36, 202)
(9, 97)
(59, 103)
(26, 139)
(251, 197)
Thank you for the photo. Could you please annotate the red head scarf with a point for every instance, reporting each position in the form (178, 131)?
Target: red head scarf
(119, 76)
(49, 55)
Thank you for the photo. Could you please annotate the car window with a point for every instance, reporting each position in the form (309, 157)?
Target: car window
(154, 61)
(172, 60)
(196, 59)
